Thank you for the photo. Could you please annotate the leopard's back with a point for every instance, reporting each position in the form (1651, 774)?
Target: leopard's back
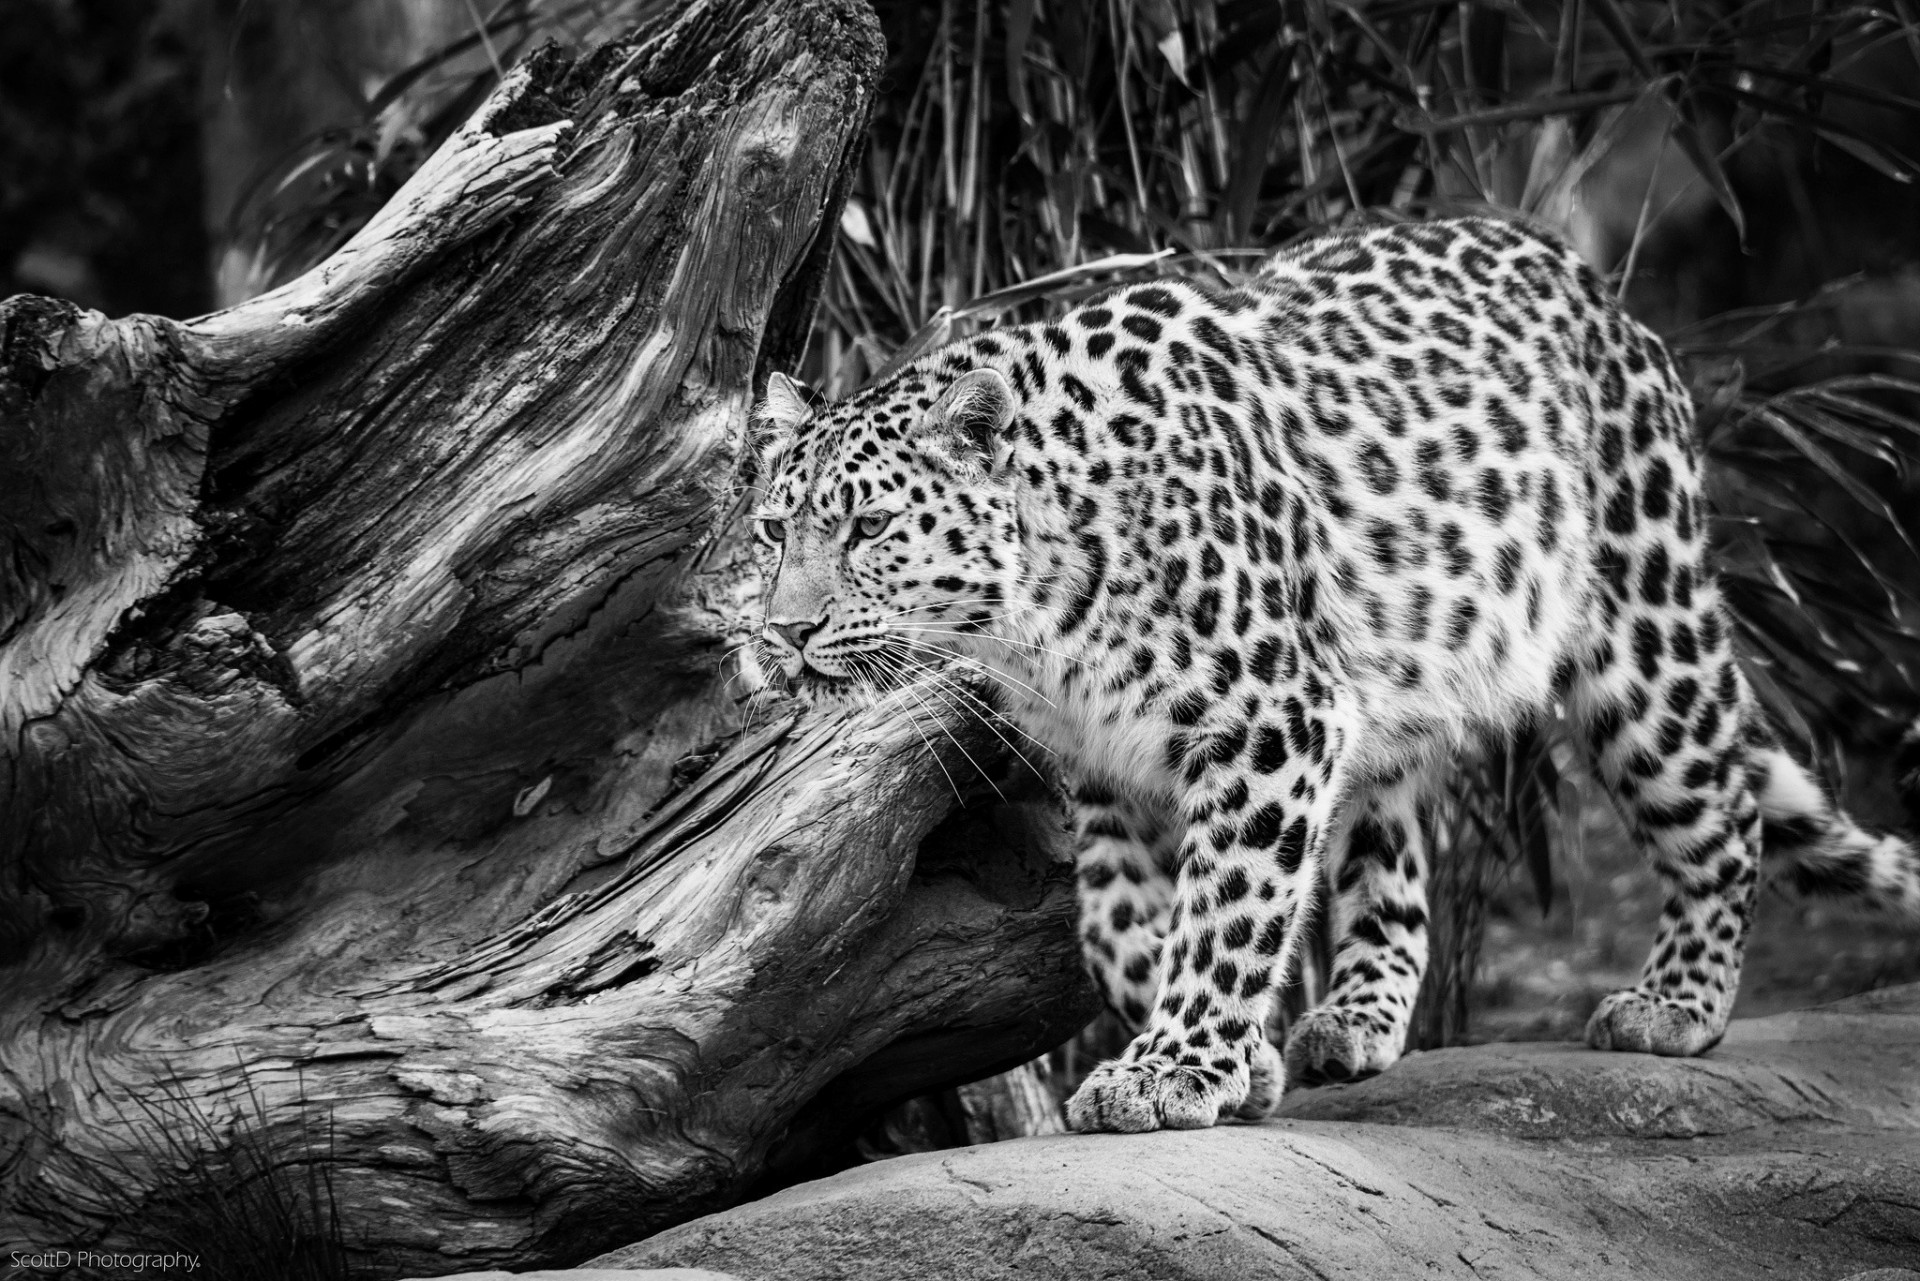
(1400, 447)
(1499, 401)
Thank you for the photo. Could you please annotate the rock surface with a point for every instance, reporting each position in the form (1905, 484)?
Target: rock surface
(1792, 1151)
(643, 1274)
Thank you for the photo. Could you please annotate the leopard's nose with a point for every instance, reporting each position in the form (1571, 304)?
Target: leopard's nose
(796, 634)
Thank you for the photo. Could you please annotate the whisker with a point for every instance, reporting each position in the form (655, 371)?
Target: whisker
(862, 673)
(942, 686)
(1001, 640)
(730, 678)
(973, 664)
(757, 701)
(911, 609)
(962, 748)
(891, 682)
(1000, 617)
(914, 721)
(986, 710)
(906, 688)
(912, 688)
(951, 785)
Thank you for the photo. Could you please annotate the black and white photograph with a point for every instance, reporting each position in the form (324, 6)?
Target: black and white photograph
(959, 640)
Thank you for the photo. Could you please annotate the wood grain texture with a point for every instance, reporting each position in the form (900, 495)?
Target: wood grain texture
(367, 732)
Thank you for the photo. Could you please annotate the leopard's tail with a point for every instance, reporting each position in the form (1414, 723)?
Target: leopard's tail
(1819, 850)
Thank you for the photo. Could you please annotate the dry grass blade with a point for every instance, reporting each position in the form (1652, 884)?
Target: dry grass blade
(243, 1197)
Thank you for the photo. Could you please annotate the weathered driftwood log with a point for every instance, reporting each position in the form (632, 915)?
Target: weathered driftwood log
(369, 752)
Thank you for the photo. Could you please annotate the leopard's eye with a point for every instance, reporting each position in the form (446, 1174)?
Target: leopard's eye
(873, 524)
(773, 529)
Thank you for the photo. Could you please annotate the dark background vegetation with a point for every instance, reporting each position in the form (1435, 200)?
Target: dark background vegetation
(1743, 172)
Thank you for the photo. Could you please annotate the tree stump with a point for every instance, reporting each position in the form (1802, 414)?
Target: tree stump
(370, 750)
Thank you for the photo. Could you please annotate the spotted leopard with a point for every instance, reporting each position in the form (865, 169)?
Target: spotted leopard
(1256, 566)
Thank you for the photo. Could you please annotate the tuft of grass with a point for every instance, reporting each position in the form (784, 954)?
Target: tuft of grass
(248, 1193)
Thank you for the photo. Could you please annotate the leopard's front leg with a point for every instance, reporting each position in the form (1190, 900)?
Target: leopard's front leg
(1261, 773)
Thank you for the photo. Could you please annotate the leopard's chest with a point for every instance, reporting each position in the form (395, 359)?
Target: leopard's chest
(1068, 707)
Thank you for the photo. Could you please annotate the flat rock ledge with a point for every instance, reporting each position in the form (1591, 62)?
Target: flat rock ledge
(1793, 1151)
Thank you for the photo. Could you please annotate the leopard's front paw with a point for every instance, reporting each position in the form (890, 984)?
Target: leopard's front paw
(1333, 1043)
(1646, 1022)
(1153, 1092)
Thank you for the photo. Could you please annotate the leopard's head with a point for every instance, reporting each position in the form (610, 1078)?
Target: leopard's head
(884, 526)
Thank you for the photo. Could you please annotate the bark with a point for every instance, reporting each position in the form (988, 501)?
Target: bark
(370, 749)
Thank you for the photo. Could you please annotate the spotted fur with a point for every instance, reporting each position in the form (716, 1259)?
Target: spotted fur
(1255, 566)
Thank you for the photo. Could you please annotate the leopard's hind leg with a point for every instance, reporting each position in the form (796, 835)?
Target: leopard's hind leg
(1664, 708)
(1378, 919)
(1124, 868)
(1665, 715)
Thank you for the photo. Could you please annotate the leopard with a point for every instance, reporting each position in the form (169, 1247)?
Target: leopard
(1258, 565)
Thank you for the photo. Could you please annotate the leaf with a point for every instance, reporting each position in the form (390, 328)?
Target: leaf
(1909, 28)
(1616, 126)
(1783, 709)
(1256, 137)
(1868, 154)
(1019, 33)
(407, 77)
(1528, 109)
(1483, 42)
(1791, 489)
(1685, 132)
(1054, 281)
(1819, 674)
(1173, 47)
(855, 226)
(1887, 421)
(1811, 414)
(1716, 388)
(1780, 618)
(1333, 177)
(1825, 83)
(1566, 52)
(1708, 165)
(1825, 461)
(935, 333)
(1871, 152)
(1780, 580)
(1826, 597)
(1622, 32)
(1408, 80)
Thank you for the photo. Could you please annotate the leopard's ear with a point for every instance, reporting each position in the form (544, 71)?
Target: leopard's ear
(966, 423)
(777, 419)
